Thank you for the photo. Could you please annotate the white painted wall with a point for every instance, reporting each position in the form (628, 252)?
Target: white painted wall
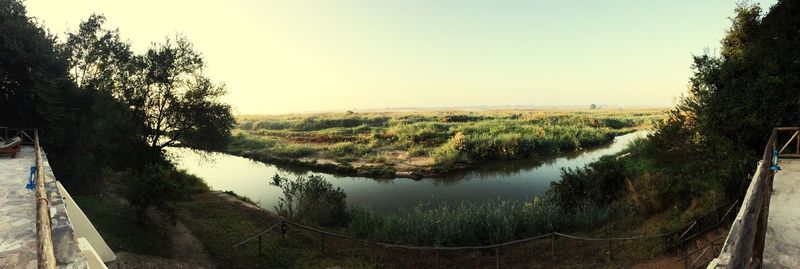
(84, 228)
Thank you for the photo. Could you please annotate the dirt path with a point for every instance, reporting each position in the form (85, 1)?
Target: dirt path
(186, 247)
(660, 263)
(126, 260)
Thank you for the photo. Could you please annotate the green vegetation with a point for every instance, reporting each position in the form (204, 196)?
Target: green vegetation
(120, 228)
(472, 224)
(311, 198)
(220, 224)
(159, 186)
(104, 114)
(315, 201)
(702, 155)
(92, 92)
(424, 143)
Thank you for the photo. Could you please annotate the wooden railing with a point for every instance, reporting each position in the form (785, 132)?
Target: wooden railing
(715, 220)
(744, 247)
(27, 135)
(46, 257)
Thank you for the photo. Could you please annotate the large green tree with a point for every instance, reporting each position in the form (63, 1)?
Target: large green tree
(164, 88)
(35, 89)
(718, 130)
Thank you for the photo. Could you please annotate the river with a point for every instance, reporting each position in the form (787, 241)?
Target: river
(522, 179)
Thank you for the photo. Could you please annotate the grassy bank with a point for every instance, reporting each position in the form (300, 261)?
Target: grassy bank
(220, 222)
(118, 225)
(414, 144)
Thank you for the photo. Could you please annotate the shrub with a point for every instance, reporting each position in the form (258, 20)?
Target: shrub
(596, 184)
(291, 150)
(450, 153)
(643, 193)
(311, 199)
(417, 151)
(471, 223)
(345, 149)
(159, 185)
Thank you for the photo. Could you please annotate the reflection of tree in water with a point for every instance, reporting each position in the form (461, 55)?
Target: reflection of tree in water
(179, 154)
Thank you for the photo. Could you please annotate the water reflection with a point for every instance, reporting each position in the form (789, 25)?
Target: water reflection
(521, 179)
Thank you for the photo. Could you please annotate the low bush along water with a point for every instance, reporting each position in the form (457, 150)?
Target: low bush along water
(314, 200)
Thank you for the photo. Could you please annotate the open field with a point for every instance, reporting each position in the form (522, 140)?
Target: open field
(416, 144)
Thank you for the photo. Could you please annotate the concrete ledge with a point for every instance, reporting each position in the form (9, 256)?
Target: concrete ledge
(65, 243)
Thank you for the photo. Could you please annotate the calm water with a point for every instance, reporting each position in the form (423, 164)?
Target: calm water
(510, 180)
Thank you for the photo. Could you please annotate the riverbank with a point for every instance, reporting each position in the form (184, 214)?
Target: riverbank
(517, 180)
(426, 144)
(219, 221)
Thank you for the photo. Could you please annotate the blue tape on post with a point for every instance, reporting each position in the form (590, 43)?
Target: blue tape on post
(31, 182)
(774, 166)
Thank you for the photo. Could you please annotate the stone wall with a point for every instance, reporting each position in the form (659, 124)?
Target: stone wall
(65, 243)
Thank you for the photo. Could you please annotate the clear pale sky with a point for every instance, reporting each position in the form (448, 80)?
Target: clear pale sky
(294, 56)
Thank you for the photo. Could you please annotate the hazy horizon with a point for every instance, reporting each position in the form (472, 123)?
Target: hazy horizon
(280, 57)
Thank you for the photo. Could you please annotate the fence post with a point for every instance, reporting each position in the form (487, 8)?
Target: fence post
(497, 256)
(553, 246)
(685, 257)
(610, 250)
(322, 247)
(436, 259)
(231, 257)
(259, 244)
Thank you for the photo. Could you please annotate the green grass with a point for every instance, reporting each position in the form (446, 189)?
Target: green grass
(472, 224)
(118, 225)
(219, 224)
(483, 136)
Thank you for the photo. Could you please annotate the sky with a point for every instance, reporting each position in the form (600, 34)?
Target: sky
(280, 57)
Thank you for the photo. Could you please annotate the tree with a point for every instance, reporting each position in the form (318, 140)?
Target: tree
(98, 57)
(178, 104)
(165, 88)
(35, 89)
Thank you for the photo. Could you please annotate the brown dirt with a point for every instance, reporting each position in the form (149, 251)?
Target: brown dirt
(127, 260)
(186, 247)
(659, 263)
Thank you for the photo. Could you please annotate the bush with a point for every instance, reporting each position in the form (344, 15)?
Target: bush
(348, 149)
(417, 151)
(159, 186)
(470, 224)
(311, 199)
(291, 150)
(597, 184)
(450, 153)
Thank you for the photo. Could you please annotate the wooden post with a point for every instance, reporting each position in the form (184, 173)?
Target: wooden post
(436, 259)
(497, 256)
(322, 238)
(259, 244)
(283, 228)
(686, 257)
(553, 246)
(232, 257)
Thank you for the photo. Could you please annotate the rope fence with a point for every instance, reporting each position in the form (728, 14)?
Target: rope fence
(542, 248)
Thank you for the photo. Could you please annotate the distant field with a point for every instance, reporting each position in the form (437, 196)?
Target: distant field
(413, 144)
